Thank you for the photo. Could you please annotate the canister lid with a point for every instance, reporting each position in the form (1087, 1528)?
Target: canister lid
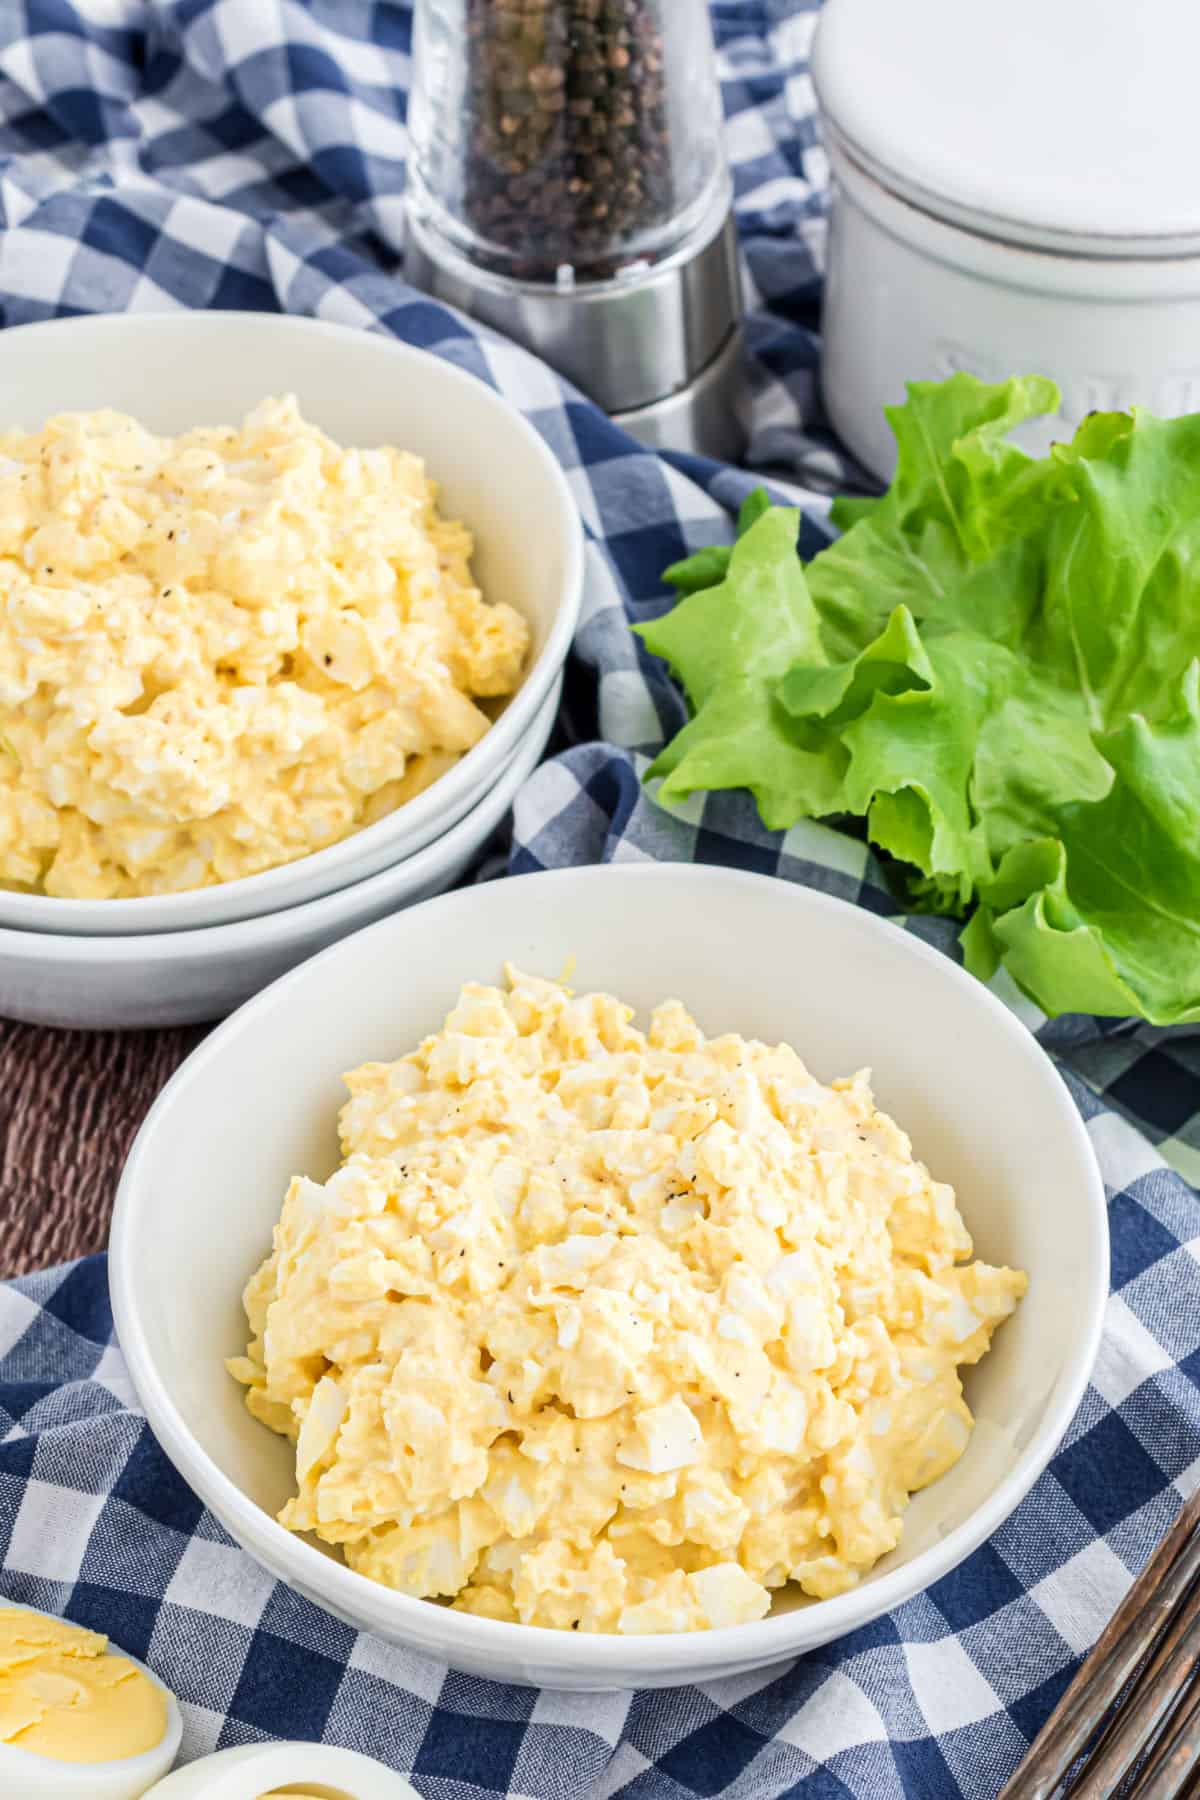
(1036, 119)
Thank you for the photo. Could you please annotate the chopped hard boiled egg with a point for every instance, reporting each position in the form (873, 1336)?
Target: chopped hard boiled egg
(614, 1331)
(223, 651)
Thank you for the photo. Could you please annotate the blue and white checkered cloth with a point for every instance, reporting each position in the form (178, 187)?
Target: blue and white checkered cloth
(249, 153)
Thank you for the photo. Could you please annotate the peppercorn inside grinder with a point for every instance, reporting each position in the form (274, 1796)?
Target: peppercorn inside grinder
(568, 185)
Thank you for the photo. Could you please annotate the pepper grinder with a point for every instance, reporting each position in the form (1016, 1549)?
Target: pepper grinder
(568, 185)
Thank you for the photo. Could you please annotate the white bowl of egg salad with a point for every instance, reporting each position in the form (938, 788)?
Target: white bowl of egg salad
(281, 599)
(162, 978)
(619, 1276)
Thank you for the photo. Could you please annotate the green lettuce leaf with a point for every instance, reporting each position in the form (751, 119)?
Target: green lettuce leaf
(1105, 917)
(909, 715)
(729, 644)
(995, 669)
(705, 568)
(955, 469)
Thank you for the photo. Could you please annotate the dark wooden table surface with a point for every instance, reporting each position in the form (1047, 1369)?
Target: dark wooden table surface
(70, 1104)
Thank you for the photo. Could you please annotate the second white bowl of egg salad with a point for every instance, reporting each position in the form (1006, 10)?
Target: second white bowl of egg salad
(620, 1276)
(281, 600)
(160, 978)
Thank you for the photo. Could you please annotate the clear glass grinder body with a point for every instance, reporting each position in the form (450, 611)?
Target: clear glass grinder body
(565, 141)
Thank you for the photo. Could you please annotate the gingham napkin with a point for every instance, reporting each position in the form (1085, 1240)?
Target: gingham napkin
(162, 153)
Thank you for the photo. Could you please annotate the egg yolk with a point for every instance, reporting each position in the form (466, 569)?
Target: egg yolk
(66, 1696)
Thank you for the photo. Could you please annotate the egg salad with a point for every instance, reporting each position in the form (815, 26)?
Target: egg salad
(614, 1331)
(223, 651)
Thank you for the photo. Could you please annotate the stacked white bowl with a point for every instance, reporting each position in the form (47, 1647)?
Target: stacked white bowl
(185, 957)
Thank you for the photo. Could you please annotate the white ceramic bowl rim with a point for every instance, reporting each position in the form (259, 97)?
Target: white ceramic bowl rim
(46, 912)
(245, 1772)
(623, 1659)
(163, 947)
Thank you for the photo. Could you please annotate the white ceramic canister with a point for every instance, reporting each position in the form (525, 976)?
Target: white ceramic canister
(1016, 190)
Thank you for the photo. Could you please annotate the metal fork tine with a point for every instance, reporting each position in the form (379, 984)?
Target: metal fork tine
(1135, 1628)
(1156, 1692)
(1176, 1759)
(1191, 1787)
